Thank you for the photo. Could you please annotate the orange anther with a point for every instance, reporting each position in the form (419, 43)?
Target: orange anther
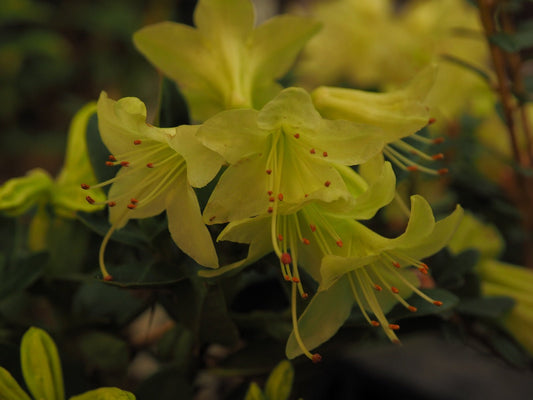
(412, 168)
(270, 209)
(125, 163)
(438, 140)
(423, 270)
(109, 163)
(280, 196)
(305, 295)
(136, 142)
(134, 200)
(394, 327)
(374, 323)
(271, 198)
(84, 186)
(270, 192)
(295, 279)
(377, 287)
(111, 157)
(396, 264)
(287, 278)
(312, 151)
(437, 303)
(313, 227)
(394, 290)
(339, 243)
(286, 258)
(412, 308)
(280, 237)
(443, 171)
(150, 165)
(108, 278)
(90, 200)
(325, 154)
(131, 206)
(305, 241)
(297, 135)
(438, 156)
(268, 171)
(432, 121)
(424, 265)
(316, 358)
(327, 183)
(111, 204)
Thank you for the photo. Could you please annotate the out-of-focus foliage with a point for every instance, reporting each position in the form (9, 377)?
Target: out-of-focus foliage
(159, 329)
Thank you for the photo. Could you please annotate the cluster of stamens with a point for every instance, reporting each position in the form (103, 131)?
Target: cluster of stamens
(362, 283)
(151, 155)
(396, 152)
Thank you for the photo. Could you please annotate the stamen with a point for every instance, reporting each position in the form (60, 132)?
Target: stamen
(150, 165)
(377, 287)
(137, 142)
(111, 157)
(84, 186)
(90, 200)
(268, 171)
(110, 163)
(312, 151)
(280, 237)
(394, 290)
(394, 327)
(297, 135)
(432, 121)
(437, 303)
(396, 264)
(374, 323)
(132, 206)
(125, 163)
(339, 243)
(280, 196)
(327, 183)
(134, 200)
(271, 199)
(305, 241)
(325, 154)
(111, 204)
(412, 308)
(315, 358)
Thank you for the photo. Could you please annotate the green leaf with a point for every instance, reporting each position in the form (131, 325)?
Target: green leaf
(449, 301)
(21, 273)
(216, 325)
(184, 302)
(449, 271)
(489, 307)
(9, 388)
(97, 222)
(102, 303)
(41, 366)
(169, 383)
(172, 106)
(279, 383)
(105, 393)
(104, 352)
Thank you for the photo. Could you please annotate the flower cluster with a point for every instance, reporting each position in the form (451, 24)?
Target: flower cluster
(300, 171)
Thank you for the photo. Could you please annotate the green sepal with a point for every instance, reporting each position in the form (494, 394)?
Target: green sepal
(105, 393)
(41, 366)
(9, 388)
(279, 383)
